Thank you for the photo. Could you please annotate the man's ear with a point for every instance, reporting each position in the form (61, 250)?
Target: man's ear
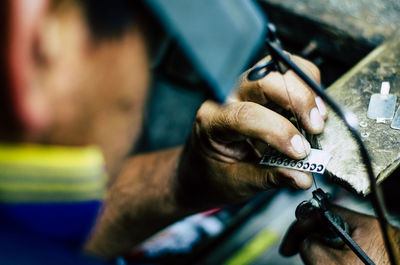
(29, 103)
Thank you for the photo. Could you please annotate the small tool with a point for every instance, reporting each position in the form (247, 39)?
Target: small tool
(336, 232)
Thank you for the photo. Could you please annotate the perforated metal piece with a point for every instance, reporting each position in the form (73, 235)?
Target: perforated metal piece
(315, 162)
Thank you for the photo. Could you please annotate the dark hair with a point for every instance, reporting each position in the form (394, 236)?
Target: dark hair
(108, 18)
(112, 18)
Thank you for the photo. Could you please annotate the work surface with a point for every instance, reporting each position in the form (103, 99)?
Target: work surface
(353, 91)
(342, 28)
(347, 31)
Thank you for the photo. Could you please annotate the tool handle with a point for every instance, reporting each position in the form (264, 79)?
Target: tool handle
(329, 216)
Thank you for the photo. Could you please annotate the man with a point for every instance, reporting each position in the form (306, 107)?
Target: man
(71, 79)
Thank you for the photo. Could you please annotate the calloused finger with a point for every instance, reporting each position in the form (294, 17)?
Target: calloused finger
(260, 178)
(240, 120)
(289, 92)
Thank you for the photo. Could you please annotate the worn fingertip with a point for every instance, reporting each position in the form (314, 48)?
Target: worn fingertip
(298, 179)
(316, 121)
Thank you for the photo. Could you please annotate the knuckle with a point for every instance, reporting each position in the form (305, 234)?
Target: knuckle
(272, 179)
(204, 112)
(314, 71)
(303, 100)
(265, 180)
(252, 91)
(308, 97)
(200, 115)
(310, 67)
(261, 84)
(242, 113)
(305, 246)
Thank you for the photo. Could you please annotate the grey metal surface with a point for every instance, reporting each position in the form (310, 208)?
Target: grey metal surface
(381, 107)
(367, 18)
(347, 30)
(353, 91)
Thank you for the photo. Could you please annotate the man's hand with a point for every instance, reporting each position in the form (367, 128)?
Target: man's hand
(220, 163)
(301, 237)
(217, 165)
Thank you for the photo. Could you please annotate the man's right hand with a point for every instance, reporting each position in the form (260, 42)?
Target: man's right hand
(219, 164)
(365, 231)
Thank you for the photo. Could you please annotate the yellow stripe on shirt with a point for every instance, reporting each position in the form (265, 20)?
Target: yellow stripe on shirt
(31, 172)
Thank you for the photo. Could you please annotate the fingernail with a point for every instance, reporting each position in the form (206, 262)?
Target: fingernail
(300, 145)
(317, 123)
(321, 106)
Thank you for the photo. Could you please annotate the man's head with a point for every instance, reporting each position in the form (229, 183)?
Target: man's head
(69, 78)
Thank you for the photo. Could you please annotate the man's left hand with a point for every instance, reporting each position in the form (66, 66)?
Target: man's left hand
(365, 231)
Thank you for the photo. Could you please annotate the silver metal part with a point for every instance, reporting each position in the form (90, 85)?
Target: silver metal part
(315, 162)
(382, 106)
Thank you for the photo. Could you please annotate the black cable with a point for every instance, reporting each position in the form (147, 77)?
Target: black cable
(376, 193)
(347, 239)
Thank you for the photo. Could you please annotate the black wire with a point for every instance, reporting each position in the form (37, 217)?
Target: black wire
(347, 239)
(376, 193)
